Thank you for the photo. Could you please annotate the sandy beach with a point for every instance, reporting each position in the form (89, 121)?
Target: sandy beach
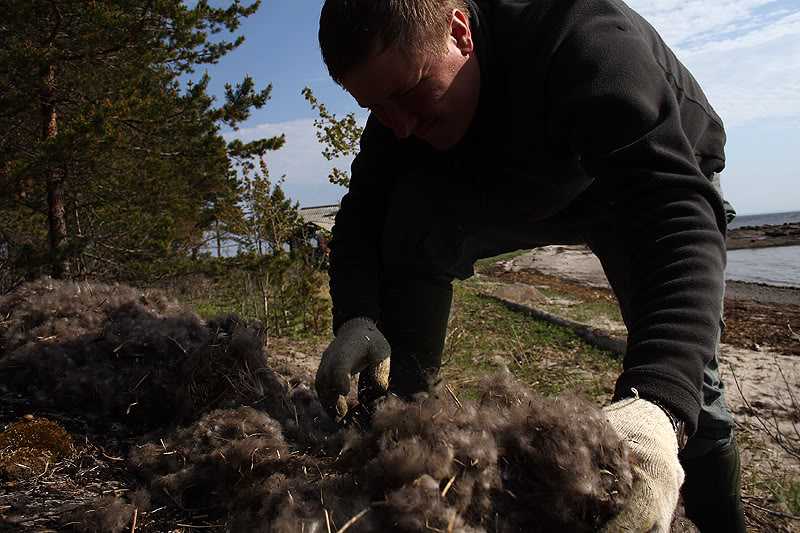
(757, 316)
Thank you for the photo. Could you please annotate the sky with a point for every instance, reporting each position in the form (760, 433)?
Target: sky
(744, 53)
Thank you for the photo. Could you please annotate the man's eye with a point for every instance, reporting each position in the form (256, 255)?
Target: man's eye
(414, 89)
(409, 92)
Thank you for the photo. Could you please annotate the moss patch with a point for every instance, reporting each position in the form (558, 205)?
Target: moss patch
(30, 445)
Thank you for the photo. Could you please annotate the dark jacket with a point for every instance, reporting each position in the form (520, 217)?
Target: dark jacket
(578, 97)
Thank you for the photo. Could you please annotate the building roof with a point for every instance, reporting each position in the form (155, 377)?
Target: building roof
(321, 216)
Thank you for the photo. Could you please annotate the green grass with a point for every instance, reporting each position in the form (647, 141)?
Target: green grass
(210, 309)
(778, 485)
(484, 335)
(788, 494)
(587, 311)
(584, 310)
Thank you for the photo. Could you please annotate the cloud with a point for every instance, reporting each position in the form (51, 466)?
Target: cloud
(300, 160)
(746, 56)
(744, 53)
(681, 22)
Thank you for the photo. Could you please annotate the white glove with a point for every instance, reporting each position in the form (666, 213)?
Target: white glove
(657, 473)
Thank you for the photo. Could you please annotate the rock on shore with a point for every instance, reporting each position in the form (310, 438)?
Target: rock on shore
(764, 236)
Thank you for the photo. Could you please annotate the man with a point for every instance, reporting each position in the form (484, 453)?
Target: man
(509, 124)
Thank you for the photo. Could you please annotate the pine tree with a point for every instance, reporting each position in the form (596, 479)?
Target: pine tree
(106, 158)
(276, 251)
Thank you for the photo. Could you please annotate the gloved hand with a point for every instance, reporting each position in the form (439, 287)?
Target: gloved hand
(657, 473)
(358, 345)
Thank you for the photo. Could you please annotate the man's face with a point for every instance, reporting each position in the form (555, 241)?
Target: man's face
(430, 96)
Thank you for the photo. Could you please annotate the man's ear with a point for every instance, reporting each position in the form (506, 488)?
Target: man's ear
(460, 32)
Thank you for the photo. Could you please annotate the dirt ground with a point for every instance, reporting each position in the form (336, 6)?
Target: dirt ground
(763, 384)
(62, 493)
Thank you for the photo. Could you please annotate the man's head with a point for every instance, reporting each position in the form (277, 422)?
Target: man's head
(411, 62)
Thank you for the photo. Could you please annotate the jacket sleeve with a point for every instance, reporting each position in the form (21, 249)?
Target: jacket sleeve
(616, 106)
(355, 260)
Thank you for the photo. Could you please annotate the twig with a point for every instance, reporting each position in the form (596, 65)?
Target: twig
(431, 528)
(447, 487)
(792, 333)
(452, 523)
(135, 516)
(100, 305)
(174, 500)
(777, 437)
(140, 381)
(177, 344)
(789, 390)
(46, 466)
(453, 395)
(770, 511)
(327, 520)
(352, 521)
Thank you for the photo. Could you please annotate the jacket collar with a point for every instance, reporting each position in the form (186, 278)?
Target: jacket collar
(484, 51)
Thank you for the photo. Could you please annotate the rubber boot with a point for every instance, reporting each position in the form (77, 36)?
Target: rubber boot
(414, 315)
(712, 492)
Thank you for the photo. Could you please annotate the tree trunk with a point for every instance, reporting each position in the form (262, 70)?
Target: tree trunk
(56, 216)
(219, 239)
(262, 280)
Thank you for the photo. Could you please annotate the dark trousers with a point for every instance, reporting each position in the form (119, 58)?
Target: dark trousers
(434, 233)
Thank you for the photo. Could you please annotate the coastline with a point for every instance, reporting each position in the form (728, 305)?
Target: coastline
(757, 315)
(762, 292)
(745, 237)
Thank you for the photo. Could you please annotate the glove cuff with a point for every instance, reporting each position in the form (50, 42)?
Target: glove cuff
(353, 323)
(636, 416)
(678, 426)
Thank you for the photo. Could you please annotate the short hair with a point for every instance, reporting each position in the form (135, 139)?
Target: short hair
(351, 31)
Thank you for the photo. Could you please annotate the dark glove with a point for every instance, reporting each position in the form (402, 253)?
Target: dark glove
(358, 345)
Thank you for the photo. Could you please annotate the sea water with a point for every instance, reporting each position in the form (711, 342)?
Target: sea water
(777, 265)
